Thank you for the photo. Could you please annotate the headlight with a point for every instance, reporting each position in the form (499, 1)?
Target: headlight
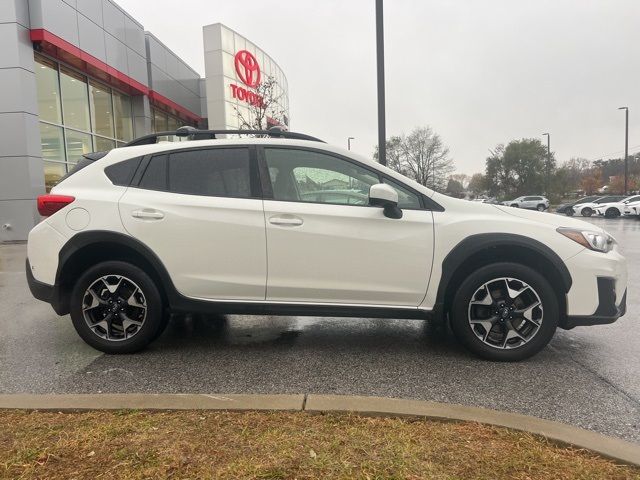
(600, 242)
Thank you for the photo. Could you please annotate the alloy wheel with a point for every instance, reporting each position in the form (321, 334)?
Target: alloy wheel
(505, 313)
(114, 307)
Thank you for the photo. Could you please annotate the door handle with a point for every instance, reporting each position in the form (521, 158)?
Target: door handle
(286, 221)
(147, 214)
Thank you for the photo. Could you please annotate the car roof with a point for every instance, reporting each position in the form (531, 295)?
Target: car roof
(124, 153)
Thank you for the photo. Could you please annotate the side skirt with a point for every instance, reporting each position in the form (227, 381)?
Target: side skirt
(188, 305)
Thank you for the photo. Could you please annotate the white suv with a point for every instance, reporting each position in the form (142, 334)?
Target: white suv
(529, 202)
(288, 225)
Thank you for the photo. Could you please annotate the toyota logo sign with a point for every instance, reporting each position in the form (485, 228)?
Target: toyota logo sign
(247, 68)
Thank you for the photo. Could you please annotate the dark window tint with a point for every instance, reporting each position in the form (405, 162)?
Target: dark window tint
(121, 173)
(220, 172)
(155, 176)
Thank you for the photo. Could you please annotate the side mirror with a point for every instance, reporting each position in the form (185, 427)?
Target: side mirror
(383, 195)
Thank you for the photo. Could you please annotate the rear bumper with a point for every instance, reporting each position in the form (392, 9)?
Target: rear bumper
(43, 291)
(608, 310)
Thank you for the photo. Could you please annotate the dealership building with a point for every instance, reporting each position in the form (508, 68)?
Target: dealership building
(82, 75)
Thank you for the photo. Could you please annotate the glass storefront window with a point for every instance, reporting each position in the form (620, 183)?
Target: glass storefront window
(52, 143)
(104, 144)
(123, 117)
(48, 90)
(172, 123)
(75, 99)
(53, 171)
(78, 144)
(77, 116)
(160, 121)
(101, 109)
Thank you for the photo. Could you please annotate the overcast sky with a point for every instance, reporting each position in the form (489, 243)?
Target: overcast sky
(479, 73)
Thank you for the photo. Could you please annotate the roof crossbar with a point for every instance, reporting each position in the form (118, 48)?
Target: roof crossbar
(194, 134)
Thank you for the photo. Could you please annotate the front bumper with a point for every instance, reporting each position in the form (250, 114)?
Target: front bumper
(607, 312)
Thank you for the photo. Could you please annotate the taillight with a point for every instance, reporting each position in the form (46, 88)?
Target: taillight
(49, 204)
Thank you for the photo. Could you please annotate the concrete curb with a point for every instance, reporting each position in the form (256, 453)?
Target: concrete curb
(609, 447)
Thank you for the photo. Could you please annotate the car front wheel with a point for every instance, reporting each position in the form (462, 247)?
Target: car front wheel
(540, 208)
(117, 308)
(505, 312)
(587, 212)
(612, 213)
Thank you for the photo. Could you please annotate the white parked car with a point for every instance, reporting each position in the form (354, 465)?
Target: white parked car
(589, 208)
(232, 226)
(529, 202)
(616, 209)
(632, 209)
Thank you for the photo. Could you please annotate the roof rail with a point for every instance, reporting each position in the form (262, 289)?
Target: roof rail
(194, 134)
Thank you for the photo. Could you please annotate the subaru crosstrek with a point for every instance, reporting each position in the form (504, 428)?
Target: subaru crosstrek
(287, 225)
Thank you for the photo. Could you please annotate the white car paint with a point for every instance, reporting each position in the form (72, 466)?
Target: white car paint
(528, 202)
(631, 209)
(224, 249)
(618, 206)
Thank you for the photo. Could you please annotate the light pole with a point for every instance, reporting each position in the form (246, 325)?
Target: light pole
(349, 142)
(546, 174)
(382, 136)
(626, 146)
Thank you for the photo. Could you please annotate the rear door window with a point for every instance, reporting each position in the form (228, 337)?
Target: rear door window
(218, 172)
(155, 175)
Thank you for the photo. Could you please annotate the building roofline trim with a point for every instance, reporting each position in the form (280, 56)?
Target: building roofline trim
(42, 35)
(158, 97)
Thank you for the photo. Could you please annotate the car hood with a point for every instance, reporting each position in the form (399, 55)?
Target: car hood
(549, 218)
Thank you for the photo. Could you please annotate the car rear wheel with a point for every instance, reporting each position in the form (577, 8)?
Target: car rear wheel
(540, 208)
(612, 213)
(505, 312)
(587, 212)
(117, 308)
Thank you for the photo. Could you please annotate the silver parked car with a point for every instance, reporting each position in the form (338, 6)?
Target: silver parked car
(529, 202)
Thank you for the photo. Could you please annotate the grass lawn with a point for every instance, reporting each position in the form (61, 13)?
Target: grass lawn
(213, 444)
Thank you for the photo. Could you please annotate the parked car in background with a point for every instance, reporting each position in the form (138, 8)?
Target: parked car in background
(616, 209)
(566, 207)
(632, 209)
(589, 208)
(529, 202)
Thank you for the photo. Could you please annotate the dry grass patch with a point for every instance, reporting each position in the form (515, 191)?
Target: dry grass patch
(210, 444)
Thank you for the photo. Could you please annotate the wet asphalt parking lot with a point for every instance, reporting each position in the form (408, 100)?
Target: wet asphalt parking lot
(588, 377)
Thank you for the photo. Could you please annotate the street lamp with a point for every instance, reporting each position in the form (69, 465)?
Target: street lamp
(349, 142)
(626, 146)
(546, 181)
(382, 135)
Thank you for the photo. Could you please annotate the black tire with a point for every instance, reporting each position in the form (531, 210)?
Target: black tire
(541, 207)
(460, 309)
(569, 212)
(612, 213)
(587, 212)
(153, 323)
(514, 205)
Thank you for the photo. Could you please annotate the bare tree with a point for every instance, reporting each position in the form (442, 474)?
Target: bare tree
(265, 104)
(422, 156)
(425, 158)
